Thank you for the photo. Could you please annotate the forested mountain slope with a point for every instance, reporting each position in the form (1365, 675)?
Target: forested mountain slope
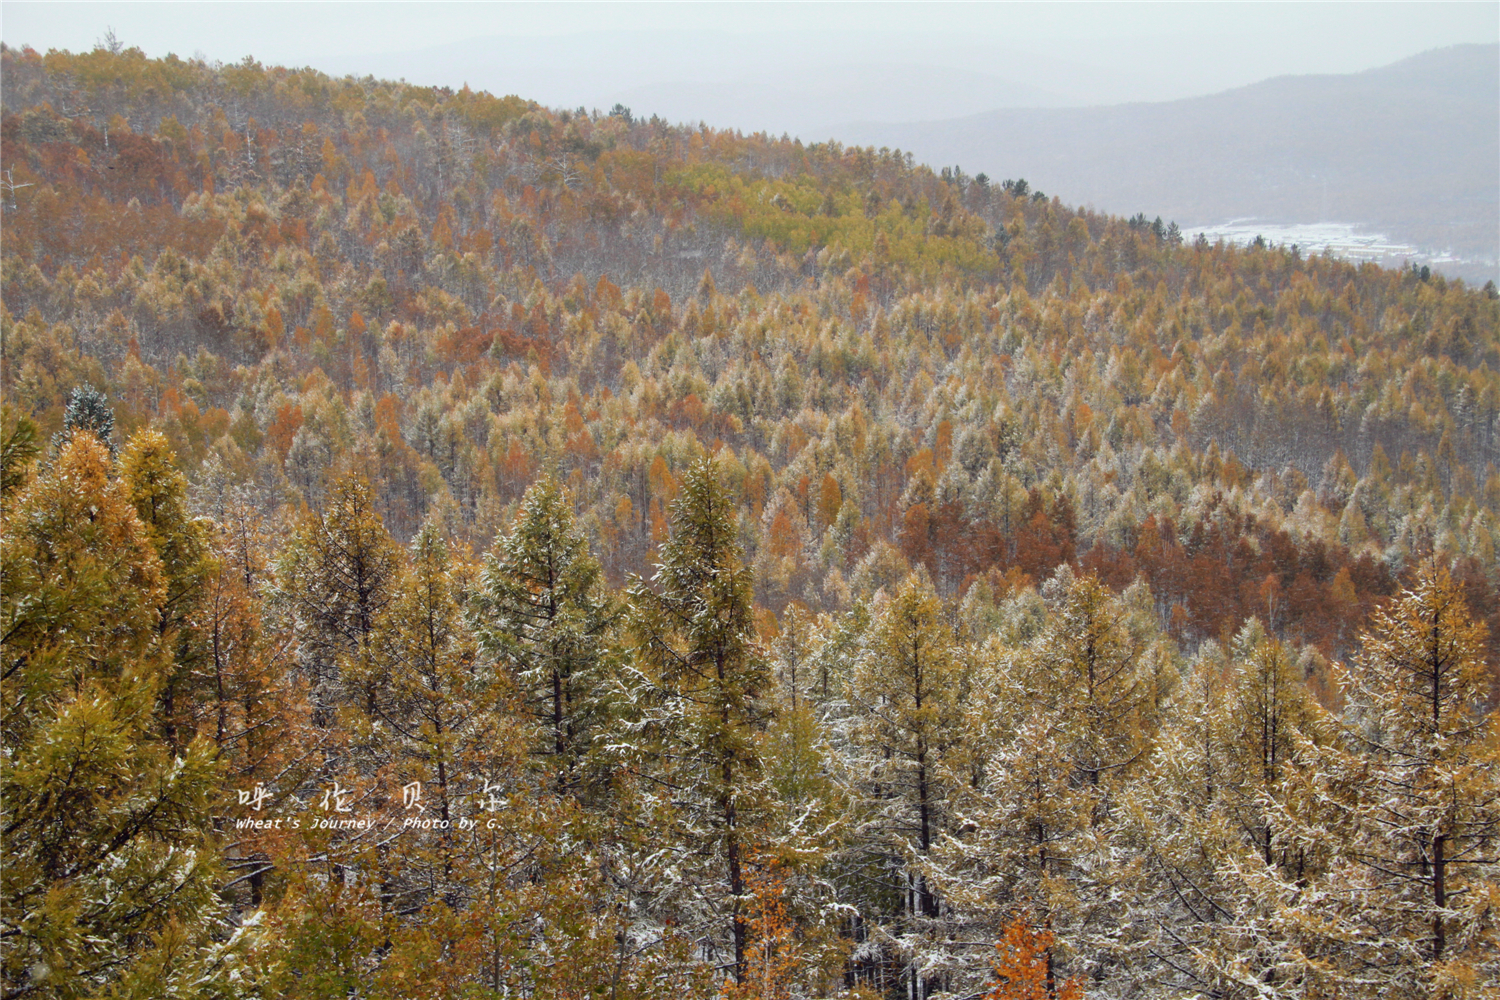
(457, 547)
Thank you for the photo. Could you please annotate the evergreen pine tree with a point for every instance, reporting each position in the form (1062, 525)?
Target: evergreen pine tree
(18, 446)
(88, 410)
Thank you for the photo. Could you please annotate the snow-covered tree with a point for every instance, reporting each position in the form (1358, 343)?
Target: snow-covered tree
(541, 614)
(907, 693)
(1062, 727)
(336, 578)
(1426, 756)
(109, 867)
(697, 647)
(88, 410)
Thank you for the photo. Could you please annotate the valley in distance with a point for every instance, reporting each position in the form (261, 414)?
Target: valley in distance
(1397, 164)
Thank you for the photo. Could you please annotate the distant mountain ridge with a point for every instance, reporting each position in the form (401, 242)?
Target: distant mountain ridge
(1411, 149)
(763, 82)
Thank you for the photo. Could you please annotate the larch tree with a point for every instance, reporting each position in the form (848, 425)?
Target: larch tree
(1265, 715)
(1021, 817)
(1067, 723)
(1208, 815)
(809, 812)
(159, 493)
(541, 614)
(908, 692)
(1428, 803)
(1023, 968)
(255, 708)
(1382, 835)
(483, 866)
(1089, 666)
(437, 712)
(336, 579)
(697, 647)
(108, 867)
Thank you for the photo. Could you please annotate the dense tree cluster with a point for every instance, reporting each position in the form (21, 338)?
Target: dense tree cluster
(453, 547)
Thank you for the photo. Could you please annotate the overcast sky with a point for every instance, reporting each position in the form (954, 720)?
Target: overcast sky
(778, 66)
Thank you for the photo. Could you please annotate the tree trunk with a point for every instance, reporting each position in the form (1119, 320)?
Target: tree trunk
(1439, 897)
(736, 875)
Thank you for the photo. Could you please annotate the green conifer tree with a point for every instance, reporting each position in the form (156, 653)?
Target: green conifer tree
(698, 648)
(18, 446)
(337, 576)
(541, 613)
(88, 410)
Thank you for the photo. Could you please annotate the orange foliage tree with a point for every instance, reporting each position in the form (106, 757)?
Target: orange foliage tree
(1024, 965)
(773, 955)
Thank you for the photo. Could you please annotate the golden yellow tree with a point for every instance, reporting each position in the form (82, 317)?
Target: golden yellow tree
(1428, 809)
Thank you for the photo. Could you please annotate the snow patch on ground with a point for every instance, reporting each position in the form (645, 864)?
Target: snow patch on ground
(1335, 239)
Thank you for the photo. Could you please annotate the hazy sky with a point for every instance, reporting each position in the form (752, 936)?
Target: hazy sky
(784, 66)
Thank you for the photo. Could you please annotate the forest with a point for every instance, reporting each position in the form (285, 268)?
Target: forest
(459, 548)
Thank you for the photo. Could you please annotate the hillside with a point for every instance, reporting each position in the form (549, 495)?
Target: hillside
(1411, 150)
(455, 547)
